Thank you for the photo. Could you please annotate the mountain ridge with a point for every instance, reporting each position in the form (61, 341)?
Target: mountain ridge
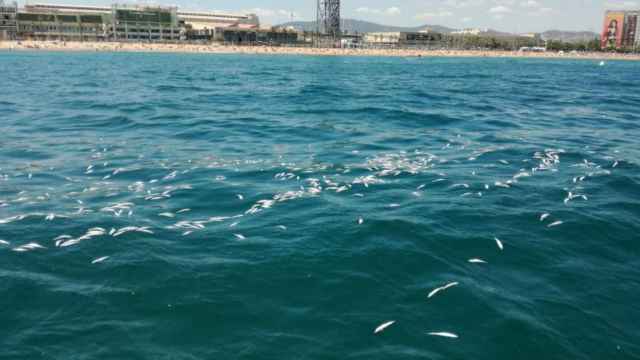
(361, 26)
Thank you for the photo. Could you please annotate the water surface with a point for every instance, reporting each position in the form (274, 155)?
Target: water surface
(284, 207)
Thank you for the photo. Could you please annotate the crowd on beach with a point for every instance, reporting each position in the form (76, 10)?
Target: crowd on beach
(232, 49)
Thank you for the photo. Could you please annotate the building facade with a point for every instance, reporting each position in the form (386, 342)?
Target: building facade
(403, 38)
(65, 27)
(637, 40)
(206, 26)
(382, 38)
(621, 30)
(144, 24)
(630, 29)
(244, 36)
(8, 21)
(209, 20)
(122, 23)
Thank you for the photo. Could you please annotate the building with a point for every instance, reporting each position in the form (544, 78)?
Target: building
(382, 38)
(403, 38)
(621, 30)
(8, 24)
(475, 32)
(420, 38)
(630, 31)
(637, 40)
(123, 23)
(60, 26)
(244, 36)
(144, 24)
(87, 23)
(208, 20)
(204, 25)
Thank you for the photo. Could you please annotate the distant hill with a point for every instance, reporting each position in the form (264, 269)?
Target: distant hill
(360, 26)
(353, 26)
(569, 36)
(495, 33)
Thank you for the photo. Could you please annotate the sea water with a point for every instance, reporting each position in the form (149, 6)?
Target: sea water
(157, 206)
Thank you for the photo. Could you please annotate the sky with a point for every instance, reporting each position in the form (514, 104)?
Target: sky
(519, 16)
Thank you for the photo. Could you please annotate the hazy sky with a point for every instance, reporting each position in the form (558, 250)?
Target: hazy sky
(505, 15)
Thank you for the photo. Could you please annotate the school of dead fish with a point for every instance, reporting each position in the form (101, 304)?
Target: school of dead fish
(381, 168)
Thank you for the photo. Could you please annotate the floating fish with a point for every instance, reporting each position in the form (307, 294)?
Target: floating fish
(454, 186)
(240, 236)
(127, 229)
(477, 261)
(382, 327)
(557, 223)
(442, 288)
(28, 247)
(99, 260)
(360, 221)
(544, 216)
(444, 334)
(499, 243)
(501, 184)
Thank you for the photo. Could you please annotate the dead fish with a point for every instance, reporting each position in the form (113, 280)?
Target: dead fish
(557, 223)
(499, 243)
(454, 186)
(444, 334)
(477, 261)
(442, 288)
(99, 260)
(382, 327)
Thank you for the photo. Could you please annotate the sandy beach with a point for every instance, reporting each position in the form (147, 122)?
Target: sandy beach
(226, 49)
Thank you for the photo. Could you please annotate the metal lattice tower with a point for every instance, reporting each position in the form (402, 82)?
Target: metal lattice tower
(328, 21)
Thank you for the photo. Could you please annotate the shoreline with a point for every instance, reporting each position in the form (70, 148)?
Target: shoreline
(59, 46)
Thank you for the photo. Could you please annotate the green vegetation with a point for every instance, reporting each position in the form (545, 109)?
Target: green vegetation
(517, 42)
(590, 45)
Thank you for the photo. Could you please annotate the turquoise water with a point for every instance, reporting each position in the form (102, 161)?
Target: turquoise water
(241, 207)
